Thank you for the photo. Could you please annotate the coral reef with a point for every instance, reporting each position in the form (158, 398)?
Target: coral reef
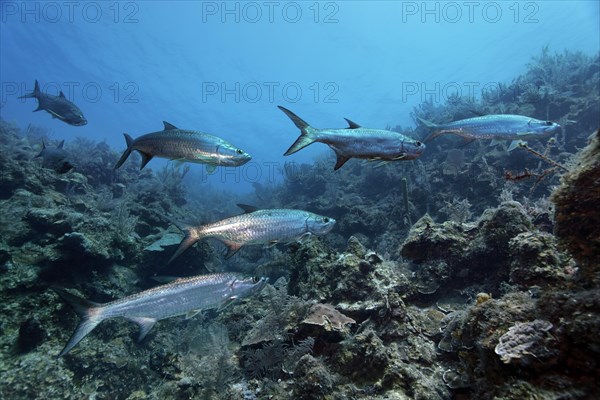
(491, 293)
(577, 214)
(525, 341)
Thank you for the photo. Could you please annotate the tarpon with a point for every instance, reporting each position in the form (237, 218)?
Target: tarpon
(356, 141)
(516, 128)
(185, 145)
(55, 158)
(58, 106)
(183, 296)
(256, 226)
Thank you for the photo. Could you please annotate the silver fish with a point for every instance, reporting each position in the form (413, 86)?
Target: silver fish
(57, 158)
(496, 127)
(256, 226)
(356, 141)
(185, 145)
(57, 106)
(182, 296)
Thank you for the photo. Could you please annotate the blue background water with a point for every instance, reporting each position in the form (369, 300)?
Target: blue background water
(223, 67)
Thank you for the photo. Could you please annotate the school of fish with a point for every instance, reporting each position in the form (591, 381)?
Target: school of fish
(188, 296)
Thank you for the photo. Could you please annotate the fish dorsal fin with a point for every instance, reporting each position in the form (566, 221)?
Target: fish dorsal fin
(352, 124)
(164, 279)
(478, 113)
(61, 94)
(169, 126)
(61, 144)
(247, 209)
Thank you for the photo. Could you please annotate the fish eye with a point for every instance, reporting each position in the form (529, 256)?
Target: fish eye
(239, 151)
(549, 123)
(326, 220)
(418, 143)
(255, 279)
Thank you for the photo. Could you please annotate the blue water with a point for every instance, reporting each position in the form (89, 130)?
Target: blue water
(223, 67)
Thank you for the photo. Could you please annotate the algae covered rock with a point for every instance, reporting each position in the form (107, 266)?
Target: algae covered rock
(313, 380)
(429, 240)
(455, 255)
(536, 261)
(577, 202)
(364, 358)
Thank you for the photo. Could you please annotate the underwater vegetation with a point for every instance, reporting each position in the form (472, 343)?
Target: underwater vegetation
(469, 272)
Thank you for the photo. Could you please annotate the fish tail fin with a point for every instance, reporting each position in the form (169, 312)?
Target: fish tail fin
(431, 126)
(34, 94)
(191, 236)
(307, 135)
(90, 313)
(127, 152)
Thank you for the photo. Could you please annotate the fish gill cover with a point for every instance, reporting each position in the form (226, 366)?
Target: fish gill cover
(468, 271)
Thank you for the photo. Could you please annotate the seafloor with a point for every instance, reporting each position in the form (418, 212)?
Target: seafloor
(471, 273)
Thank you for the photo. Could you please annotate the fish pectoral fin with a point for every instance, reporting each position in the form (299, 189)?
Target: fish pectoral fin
(340, 161)
(55, 115)
(232, 248)
(523, 133)
(304, 237)
(178, 162)
(382, 163)
(145, 325)
(169, 126)
(516, 143)
(401, 156)
(192, 313)
(271, 243)
(227, 303)
(210, 169)
(467, 141)
(494, 142)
